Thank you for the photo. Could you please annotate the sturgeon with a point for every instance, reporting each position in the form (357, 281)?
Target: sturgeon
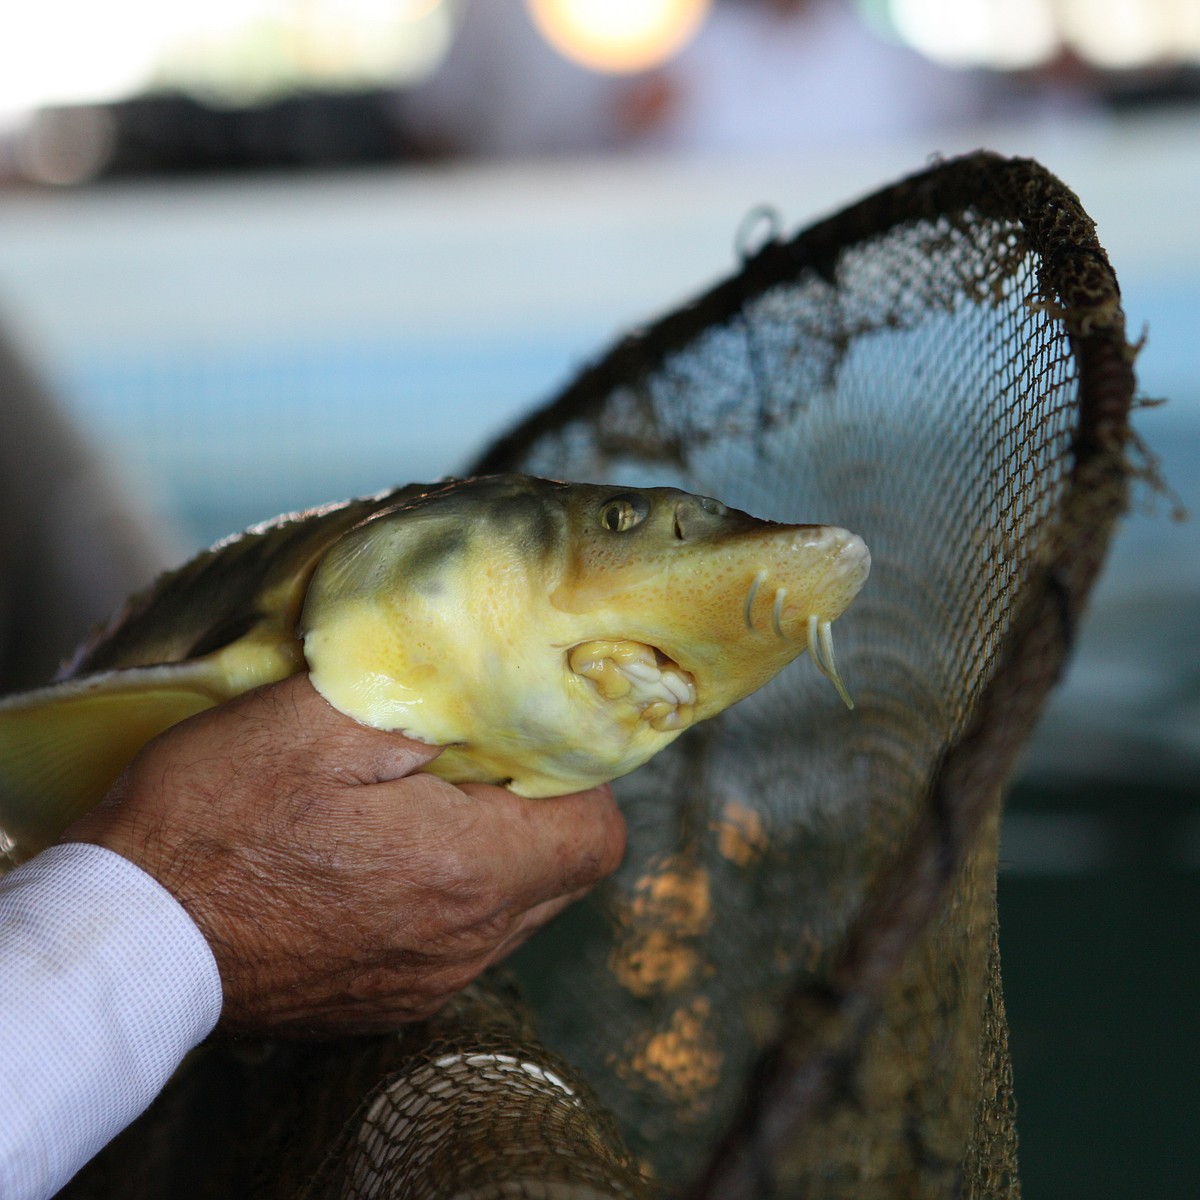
(551, 636)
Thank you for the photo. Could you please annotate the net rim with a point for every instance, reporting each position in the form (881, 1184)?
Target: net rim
(1076, 284)
(1082, 285)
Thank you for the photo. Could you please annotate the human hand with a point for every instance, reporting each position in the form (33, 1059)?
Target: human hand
(341, 890)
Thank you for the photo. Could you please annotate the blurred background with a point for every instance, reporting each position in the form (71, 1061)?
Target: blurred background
(259, 254)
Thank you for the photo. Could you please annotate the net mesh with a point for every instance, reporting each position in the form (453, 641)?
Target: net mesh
(792, 986)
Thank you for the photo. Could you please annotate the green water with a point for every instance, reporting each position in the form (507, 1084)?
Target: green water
(1102, 982)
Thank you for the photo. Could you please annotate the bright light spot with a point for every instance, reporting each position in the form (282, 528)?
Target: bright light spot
(1003, 34)
(1129, 33)
(1018, 34)
(1024, 34)
(1187, 25)
(618, 35)
(62, 51)
(78, 51)
(953, 32)
(277, 45)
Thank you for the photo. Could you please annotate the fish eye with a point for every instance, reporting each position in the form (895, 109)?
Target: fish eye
(624, 512)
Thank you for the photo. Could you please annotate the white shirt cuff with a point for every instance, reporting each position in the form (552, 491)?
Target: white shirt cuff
(105, 984)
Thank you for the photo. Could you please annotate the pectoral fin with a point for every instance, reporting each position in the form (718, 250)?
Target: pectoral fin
(62, 747)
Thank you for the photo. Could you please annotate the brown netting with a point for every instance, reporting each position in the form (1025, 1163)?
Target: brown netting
(792, 986)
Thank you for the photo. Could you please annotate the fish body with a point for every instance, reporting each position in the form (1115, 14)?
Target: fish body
(550, 635)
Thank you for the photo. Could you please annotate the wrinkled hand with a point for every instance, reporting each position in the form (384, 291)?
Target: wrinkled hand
(340, 889)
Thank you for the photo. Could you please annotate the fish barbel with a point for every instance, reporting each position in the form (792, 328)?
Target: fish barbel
(550, 635)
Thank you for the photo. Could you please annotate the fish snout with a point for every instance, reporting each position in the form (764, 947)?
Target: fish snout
(841, 565)
(830, 567)
(818, 572)
(851, 560)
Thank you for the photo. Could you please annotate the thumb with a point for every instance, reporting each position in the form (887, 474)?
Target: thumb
(294, 707)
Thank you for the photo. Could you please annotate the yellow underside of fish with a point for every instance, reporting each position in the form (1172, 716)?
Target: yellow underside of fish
(515, 701)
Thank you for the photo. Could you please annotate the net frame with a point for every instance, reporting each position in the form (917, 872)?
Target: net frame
(829, 1023)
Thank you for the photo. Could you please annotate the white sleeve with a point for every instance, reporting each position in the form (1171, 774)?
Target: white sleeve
(105, 984)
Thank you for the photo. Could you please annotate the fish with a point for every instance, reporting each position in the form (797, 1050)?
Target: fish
(549, 635)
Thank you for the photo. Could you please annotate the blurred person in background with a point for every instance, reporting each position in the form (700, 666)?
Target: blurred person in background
(74, 542)
(781, 76)
(774, 76)
(503, 91)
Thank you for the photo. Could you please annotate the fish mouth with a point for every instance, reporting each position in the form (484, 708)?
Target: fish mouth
(641, 677)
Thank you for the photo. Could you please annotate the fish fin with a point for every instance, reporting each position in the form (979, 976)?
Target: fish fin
(62, 747)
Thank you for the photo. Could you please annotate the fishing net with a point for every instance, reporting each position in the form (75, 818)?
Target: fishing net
(792, 986)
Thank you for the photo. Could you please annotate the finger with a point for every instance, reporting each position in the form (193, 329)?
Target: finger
(552, 847)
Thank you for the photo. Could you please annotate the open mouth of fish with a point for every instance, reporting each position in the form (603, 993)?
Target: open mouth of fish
(661, 691)
(640, 675)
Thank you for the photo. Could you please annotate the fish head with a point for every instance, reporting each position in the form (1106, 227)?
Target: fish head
(724, 599)
(557, 635)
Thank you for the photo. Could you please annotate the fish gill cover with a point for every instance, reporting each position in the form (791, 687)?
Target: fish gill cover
(792, 986)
